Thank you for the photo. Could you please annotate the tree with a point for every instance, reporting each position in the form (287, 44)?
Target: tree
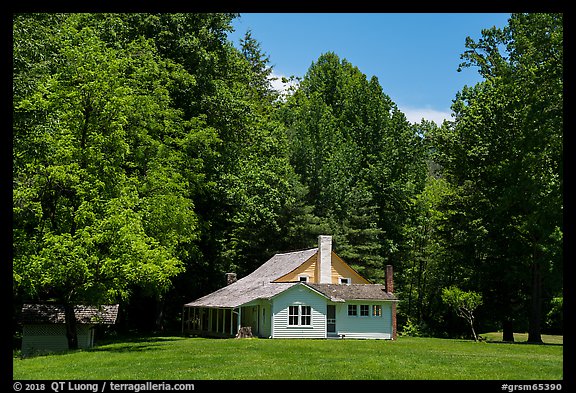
(259, 76)
(463, 303)
(357, 156)
(101, 205)
(426, 264)
(503, 152)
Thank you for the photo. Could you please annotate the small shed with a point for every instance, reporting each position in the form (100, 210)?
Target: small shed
(44, 329)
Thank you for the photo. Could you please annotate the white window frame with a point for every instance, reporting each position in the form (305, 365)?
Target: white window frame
(303, 278)
(292, 315)
(308, 316)
(299, 315)
(344, 280)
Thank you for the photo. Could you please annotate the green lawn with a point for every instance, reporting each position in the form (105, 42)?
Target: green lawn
(523, 337)
(408, 358)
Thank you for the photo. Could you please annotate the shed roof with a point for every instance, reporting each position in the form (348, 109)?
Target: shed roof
(54, 313)
(258, 284)
(343, 292)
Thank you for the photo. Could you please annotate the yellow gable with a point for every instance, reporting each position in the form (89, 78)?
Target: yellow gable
(310, 269)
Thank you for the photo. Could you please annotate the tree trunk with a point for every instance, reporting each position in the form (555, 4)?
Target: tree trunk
(507, 331)
(473, 331)
(71, 331)
(535, 322)
(159, 320)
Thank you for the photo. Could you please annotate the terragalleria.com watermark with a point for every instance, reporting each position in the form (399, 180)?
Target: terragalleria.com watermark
(100, 387)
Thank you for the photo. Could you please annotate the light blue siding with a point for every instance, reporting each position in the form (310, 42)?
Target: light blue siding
(265, 320)
(257, 315)
(364, 326)
(298, 295)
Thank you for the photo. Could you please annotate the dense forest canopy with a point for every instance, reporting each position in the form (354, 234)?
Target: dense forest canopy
(151, 156)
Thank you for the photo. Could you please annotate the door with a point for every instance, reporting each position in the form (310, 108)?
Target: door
(331, 320)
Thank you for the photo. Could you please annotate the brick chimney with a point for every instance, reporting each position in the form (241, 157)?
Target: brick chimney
(389, 279)
(325, 259)
(389, 283)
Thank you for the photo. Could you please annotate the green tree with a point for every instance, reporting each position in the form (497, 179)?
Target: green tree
(425, 263)
(463, 303)
(240, 183)
(504, 154)
(357, 156)
(260, 72)
(100, 203)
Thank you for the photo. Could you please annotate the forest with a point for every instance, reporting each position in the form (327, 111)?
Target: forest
(151, 156)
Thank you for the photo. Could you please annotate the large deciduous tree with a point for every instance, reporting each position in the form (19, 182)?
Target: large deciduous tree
(101, 205)
(504, 153)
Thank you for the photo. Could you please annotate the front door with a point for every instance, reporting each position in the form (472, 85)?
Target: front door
(331, 320)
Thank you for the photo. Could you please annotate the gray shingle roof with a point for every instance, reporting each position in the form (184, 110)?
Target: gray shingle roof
(258, 284)
(343, 292)
(54, 313)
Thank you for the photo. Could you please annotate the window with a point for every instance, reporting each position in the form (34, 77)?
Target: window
(352, 310)
(364, 310)
(299, 315)
(303, 278)
(376, 310)
(293, 315)
(306, 312)
(344, 280)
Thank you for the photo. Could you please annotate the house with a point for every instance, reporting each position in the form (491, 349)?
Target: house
(44, 329)
(304, 294)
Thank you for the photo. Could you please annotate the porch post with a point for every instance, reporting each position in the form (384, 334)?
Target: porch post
(201, 316)
(201, 319)
(193, 320)
(210, 319)
(231, 321)
(239, 323)
(183, 310)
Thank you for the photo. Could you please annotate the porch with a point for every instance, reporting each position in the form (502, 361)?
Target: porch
(222, 322)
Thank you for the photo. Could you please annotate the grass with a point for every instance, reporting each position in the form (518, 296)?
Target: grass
(523, 337)
(408, 358)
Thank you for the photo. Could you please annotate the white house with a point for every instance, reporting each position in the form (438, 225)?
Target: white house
(304, 294)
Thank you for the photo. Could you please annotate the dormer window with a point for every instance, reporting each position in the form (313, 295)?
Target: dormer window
(303, 278)
(344, 280)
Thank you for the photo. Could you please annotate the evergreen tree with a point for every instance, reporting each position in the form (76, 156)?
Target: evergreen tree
(358, 157)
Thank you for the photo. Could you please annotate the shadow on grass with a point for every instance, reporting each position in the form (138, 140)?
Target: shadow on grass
(522, 338)
(128, 343)
(523, 343)
(487, 340)
(132, 343)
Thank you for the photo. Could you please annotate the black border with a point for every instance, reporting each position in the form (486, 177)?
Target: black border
(247, 6)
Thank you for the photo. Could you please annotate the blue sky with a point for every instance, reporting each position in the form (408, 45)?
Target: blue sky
(415, 56)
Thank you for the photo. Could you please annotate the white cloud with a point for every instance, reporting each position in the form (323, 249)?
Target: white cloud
(415, 115)
(280, 86)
